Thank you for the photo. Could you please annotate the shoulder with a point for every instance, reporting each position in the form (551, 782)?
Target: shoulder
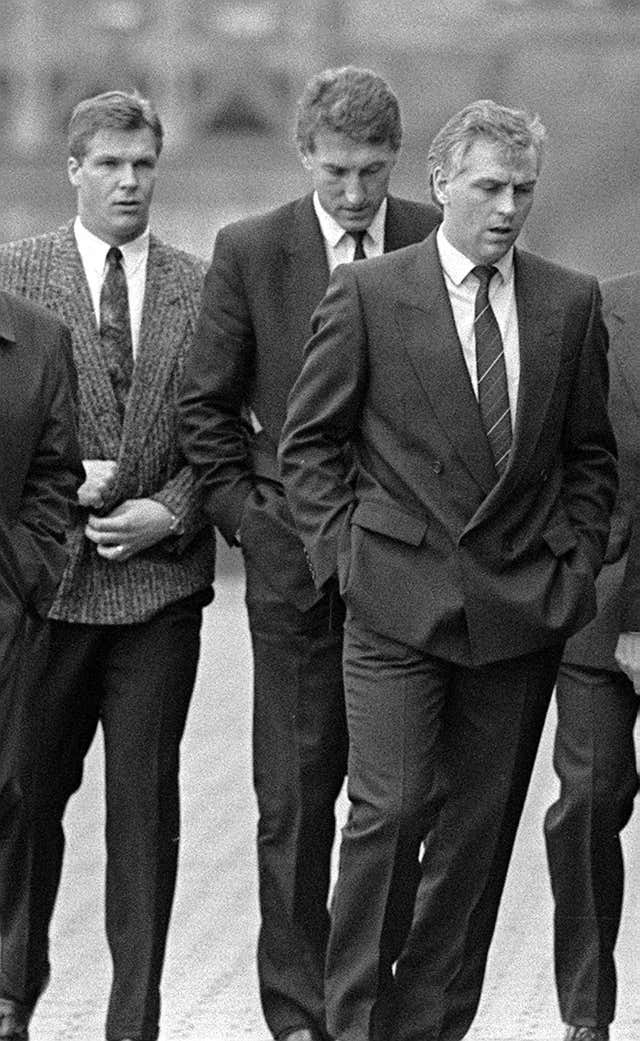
(553, 278)
(621, 290)
(423, 215)
(36, 331)
(189, 266)
(264, 233)
(29, 317)
(27, 253)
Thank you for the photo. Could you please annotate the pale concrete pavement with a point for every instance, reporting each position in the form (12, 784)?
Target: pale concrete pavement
(210, 991)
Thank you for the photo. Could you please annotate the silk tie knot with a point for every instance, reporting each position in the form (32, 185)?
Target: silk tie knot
(114, 255)
(484, 273)
(358, 238)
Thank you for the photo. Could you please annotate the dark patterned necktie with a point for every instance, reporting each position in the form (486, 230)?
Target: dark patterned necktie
(358, 238)
(115, 327)
(493, 395)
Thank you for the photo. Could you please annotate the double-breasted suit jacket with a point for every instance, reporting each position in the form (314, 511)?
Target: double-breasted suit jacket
(267, 276)
(430, 548)
(48, 269)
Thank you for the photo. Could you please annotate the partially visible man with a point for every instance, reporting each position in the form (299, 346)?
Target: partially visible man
(40, 472)
(448, 455)
(126, 620)
(597, 702)
(267, 275)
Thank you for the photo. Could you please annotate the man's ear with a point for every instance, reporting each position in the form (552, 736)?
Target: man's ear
(74, 169)
(439, 186)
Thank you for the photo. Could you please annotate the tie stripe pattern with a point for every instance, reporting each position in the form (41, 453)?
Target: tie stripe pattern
(358, 238)
(493, 395)
(115, 327)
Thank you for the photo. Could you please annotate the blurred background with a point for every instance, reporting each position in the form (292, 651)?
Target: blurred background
(225, 76)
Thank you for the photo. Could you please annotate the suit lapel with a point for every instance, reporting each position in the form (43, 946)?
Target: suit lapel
(308, 268)
(67, 294)
(540, 339)
(430, 338)
(161, 333)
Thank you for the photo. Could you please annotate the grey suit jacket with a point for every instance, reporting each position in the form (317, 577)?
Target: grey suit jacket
(429, 547)
(48, 269)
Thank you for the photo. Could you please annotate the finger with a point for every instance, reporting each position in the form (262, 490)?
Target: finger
(109, 523)
(103, 538)
(118, 552)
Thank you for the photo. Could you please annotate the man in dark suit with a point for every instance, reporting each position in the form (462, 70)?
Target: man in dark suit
(597, 708)
(267, 275)
(466, 382)
(40, 472)
(126, 620)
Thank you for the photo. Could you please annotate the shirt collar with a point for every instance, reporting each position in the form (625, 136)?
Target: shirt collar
(333, 232)
(457, 266)
(93, 250)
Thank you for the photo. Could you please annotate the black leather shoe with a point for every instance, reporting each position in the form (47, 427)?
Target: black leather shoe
(587, 1034)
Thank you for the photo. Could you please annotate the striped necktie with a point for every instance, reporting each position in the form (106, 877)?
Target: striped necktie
(358, 238)
(115, 327)
(493, 395)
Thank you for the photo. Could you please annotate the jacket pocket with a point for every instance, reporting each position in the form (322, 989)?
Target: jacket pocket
(387, 519)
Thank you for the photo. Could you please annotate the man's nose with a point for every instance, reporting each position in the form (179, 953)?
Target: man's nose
(354, 189)
(507, 200)
(128, 175)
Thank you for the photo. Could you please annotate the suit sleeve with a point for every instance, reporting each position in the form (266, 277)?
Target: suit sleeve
(322, 421)
(54, 475)
(218, 372)
(590, 476)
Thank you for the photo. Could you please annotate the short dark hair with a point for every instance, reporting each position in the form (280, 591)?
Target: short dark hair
(516, 130)
(351, 101)
(113, 110)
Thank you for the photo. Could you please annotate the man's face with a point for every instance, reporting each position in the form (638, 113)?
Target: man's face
(351, 178)
(115, 182)
(486, 202)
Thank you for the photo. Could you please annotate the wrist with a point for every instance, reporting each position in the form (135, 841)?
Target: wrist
(176, 525)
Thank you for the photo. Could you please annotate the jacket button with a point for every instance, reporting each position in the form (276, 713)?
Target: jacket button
(437, 466)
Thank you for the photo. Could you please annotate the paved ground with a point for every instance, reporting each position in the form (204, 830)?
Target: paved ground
(210, 991)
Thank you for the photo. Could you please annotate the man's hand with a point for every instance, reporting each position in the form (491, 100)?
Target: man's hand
(627, 655)
(100, 475)
(134, 525)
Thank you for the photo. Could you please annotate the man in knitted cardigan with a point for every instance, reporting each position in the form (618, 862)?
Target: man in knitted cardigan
(126, 621)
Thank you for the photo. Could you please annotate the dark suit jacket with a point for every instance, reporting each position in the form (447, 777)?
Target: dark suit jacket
(618, 585)
(48, 269)
(430, 550)
(40, 465)
(40, 472)
(267, 276)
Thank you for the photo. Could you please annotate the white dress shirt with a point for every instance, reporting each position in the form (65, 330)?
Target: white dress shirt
(462, 287)
(339, 245)
(93, 252)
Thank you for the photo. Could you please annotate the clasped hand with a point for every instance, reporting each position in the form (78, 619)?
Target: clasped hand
(131, 527)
